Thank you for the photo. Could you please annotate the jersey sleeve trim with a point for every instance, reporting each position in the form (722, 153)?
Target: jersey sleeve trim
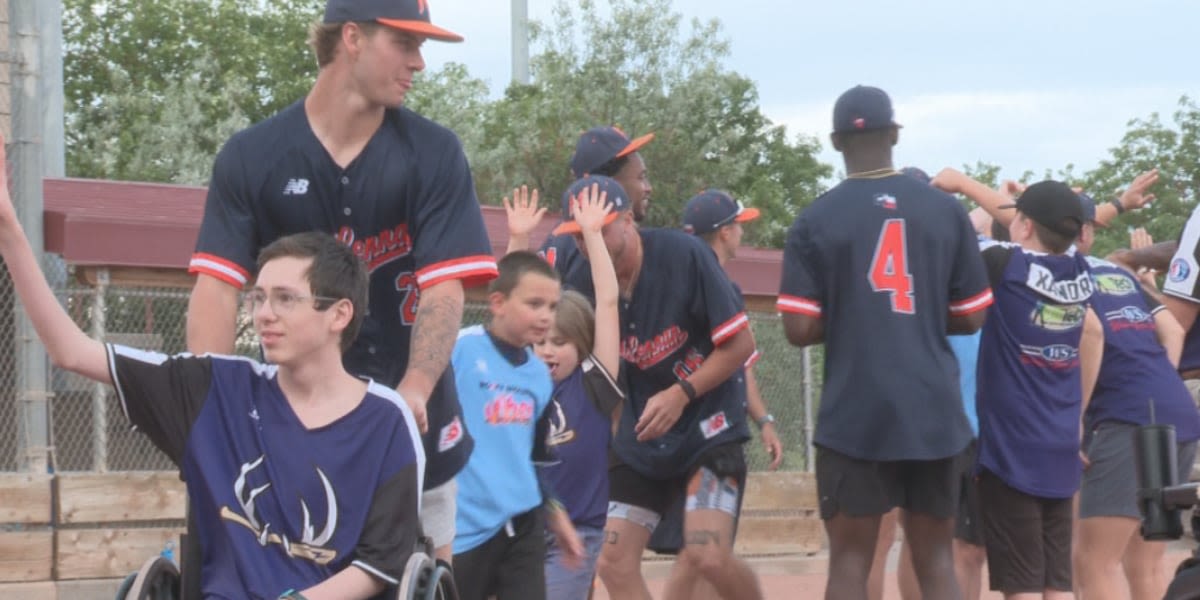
(1180, 295)
(112, 374)
(754, 358)
(223, 269)
(472, 270)
(378, 574)
(727, 329)
(796, 304)
(973, 304)
(591, 363)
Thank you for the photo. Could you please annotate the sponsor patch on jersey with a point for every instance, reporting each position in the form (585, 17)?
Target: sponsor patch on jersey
(1179, 271)
(887, 201)
(450, 435)
(713, 425)
(1057, 317)
(1129, 317)
(1115, 284)
(1065, 291)
(1054, 356)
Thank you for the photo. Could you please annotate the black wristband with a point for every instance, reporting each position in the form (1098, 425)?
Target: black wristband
(1116, 202)
(688, 389)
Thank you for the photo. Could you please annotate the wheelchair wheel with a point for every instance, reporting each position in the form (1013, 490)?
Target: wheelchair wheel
(419, 565)
(440, 584)
(158, 579)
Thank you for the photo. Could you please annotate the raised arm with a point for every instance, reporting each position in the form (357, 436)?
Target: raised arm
(523, 216)
(212, 316)
(1136, 196)
(68, 346)
(590, 208)
(953, 181)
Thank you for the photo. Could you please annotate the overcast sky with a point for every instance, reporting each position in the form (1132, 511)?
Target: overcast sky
(1025, 84)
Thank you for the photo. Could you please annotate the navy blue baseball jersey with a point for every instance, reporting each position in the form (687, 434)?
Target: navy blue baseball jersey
(681, 308)
(1136, 369)
(278, 506)
(1183, 281)
(884, 263)
(407, 207)
(1029, 394)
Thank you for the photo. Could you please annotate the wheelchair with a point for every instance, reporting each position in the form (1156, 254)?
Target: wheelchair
(1161, 501)
(425, 578)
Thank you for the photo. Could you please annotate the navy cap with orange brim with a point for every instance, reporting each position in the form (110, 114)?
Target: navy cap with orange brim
(615, 195)
(410, 16)
(600, 145)
(712, 209)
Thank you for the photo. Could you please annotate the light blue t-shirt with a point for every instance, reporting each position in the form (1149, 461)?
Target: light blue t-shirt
(501, 403)
(966, 350)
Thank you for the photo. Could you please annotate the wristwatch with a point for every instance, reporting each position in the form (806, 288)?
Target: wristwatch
(763, 420)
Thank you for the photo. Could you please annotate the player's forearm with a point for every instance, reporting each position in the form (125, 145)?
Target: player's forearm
(517, 241)
(803, 330)
(988, 199)
(212, 316)
(351, 583)
(755, 406)
(1184, 311)
(723, 362)
(1091, 353)
(1170, 335)
(1157, 256)
(439, 316)
(68, 346)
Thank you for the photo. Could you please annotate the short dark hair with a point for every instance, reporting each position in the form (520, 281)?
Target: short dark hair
(612, 167)
(516, 265)
(323, 38)
(335, 272)
(1053, 241)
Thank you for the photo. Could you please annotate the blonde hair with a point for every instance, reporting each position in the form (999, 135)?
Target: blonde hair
(324, 38)
(576, 321)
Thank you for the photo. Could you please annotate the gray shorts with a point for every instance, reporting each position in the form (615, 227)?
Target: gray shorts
(437, 513)
(1110, 484)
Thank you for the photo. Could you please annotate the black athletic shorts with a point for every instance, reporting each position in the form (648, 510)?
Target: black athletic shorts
(1028, 539)
(510, 566)
(967, 526)
(863, 488)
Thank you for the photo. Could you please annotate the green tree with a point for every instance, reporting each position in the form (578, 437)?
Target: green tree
(157, 77)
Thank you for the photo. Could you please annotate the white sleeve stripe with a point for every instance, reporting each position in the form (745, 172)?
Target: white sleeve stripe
(972, 304)
(799, 305)
(376, 572)
(205, 264)
(451, 270)
(732, 326)
(590, 362)
(112, 373)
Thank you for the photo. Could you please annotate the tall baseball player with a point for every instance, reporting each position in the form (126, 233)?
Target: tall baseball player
(395, 187)
(679, 440)
(873, 270)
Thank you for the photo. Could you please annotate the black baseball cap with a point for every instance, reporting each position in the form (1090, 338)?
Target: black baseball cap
(863, 108)
(599, 145)
(1053, 205)
(711, 209)
(615, 196)
(411, 16)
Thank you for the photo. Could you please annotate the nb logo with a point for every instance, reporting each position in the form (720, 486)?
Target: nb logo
(296, 187)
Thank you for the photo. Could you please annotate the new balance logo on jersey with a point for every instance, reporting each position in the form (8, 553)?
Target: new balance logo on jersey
(1065, 291)
(714, 425)
(296, 187)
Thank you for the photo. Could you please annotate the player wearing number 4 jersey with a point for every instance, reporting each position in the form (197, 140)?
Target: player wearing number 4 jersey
(880, 269)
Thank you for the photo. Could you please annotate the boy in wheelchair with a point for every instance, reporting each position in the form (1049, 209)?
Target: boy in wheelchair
(304, 481)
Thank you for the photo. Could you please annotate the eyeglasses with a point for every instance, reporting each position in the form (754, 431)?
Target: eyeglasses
(281, 301)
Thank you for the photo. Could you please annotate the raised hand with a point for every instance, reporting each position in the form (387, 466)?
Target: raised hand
(1136, 195)
(523, 212)
(590, 208)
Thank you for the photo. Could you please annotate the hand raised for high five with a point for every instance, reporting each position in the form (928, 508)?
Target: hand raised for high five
(523, 216)
(590, 209)
(1136, 196)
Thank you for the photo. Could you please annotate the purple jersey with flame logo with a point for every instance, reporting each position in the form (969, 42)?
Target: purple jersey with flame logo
(682, 307)
(278, 506)
(407, 206)
(1029, 395)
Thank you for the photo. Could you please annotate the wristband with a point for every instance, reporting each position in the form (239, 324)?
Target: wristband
(292, 595)
(688, 389)
(1116, 202)
(762, 421)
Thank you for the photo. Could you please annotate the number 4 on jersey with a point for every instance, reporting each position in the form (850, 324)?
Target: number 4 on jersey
(889, 267)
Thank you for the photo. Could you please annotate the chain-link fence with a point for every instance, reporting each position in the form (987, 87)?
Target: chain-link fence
(89, 432)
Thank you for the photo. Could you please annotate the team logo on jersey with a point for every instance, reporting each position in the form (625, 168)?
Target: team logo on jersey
(379, 249)
(450, 435)
(1129, 317)
(1180, 270)
(1115, 284)
(1055, 356)
(652, 352)
(560, 431)
(505, 408)
(296, 187)
(1057, 317)
(1065, 291)
(887, 201)
(713, 425)
(310, 546)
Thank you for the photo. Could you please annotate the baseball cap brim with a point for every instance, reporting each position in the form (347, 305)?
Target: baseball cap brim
(422, 28)
(571, 227)
(747, 215)
(635, 145)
